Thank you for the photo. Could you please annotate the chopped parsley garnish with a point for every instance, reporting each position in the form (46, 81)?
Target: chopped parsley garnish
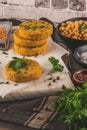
(17, 63)
(34, 27)
(27, 27)
(82, 27)
(41, 26)
(55, 64)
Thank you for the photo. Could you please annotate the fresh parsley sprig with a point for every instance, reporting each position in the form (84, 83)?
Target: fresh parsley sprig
(17, 63)
(72, 107)
(82, 27)
(55, 64)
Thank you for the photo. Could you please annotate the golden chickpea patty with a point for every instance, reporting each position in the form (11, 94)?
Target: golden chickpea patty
(30, 51)
(26, 42)
(35, 29)
(30, 70)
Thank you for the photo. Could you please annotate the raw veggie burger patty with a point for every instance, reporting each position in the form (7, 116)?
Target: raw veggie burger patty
(32, 70)
(35, 29)
(26, 42)
(30, 51)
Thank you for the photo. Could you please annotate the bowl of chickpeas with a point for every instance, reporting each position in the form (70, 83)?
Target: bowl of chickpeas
(73, 32)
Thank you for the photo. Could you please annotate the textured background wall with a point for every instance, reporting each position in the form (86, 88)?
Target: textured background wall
(55, 10)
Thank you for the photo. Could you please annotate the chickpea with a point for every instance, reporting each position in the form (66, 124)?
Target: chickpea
(80, 21)
(85, 35)
(63, 24)
(61, 28)
(85, 31)
(75, 37)
(67, 28)
(68, 22)
(70, 31)
(82, 32)
(85, 22)
(79, 37)
(68, 35)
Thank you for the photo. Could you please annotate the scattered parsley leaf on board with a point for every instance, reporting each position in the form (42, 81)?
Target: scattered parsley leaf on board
(5, 53)
(55, 64)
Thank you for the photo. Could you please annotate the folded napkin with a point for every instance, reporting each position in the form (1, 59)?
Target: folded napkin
(16, 91)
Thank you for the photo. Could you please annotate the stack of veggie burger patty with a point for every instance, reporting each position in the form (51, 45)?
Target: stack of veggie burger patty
(30, 38)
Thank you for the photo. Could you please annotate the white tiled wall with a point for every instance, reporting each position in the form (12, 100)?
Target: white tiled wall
(1, 11)
(55, 10)
(20, 12)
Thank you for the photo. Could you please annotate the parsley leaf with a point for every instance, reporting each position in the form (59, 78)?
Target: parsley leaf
(55, 64)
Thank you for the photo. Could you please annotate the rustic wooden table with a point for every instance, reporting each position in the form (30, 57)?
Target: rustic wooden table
(10, 126)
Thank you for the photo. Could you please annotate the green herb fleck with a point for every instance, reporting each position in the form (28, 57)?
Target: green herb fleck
(26, 68)
(27, 27)
(2, 82)
(41, 26)
(19, 72)
(55, 64)
(15, 84)
(5, 53)
(34, 27)
(5, 82)
(36, 55)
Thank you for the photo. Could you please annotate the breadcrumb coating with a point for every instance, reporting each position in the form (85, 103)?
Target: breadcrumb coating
(26, 42)
(35, 29)
(29, 51)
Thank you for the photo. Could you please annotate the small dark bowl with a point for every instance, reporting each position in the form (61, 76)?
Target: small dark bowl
(70, 42)
(78, 76)
(78, 52)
